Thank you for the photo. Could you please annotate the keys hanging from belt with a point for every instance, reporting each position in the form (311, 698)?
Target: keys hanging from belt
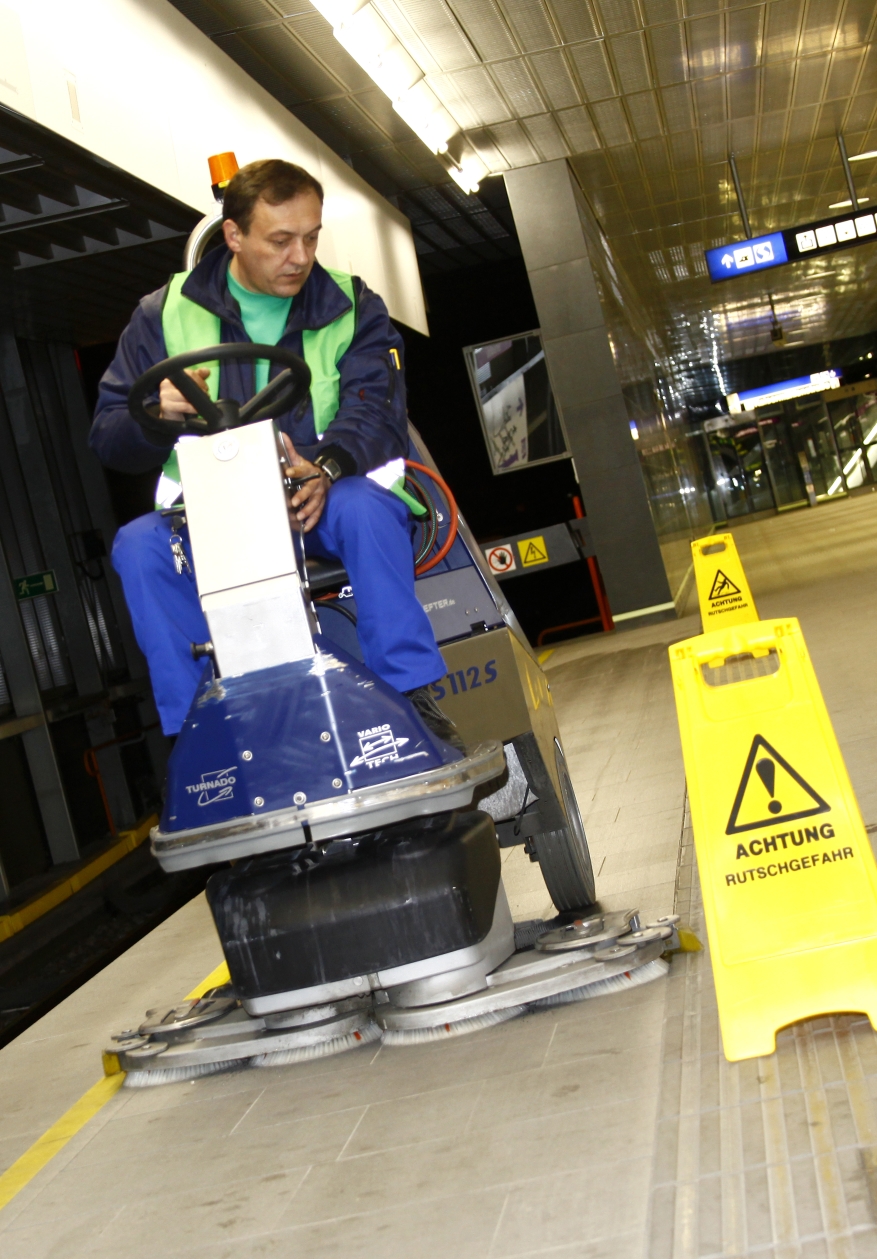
(181, 559)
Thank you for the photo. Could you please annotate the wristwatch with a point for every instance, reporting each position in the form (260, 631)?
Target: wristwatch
(329, 467)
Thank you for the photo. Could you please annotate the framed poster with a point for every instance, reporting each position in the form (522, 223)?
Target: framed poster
(519, 417)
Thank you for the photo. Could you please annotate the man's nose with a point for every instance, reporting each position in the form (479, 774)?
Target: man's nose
(297, 252)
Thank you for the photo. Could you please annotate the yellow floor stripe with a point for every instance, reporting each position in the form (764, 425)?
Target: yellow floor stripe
(213, 980)
(11, 924)
(52, 1142)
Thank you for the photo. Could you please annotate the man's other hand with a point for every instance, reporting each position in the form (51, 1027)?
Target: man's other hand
(172, 403)
(306, 505)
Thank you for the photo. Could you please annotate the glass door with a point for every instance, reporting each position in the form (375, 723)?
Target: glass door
(740, 472)
(786, 474)
(799, 445)
(854, 421)
(813, 441)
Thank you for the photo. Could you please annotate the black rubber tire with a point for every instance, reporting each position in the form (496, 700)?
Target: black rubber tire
(563, 854)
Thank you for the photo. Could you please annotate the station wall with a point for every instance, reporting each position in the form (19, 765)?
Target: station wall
(137, 84)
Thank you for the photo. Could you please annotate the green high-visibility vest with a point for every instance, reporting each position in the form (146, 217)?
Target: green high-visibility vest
(188, 326)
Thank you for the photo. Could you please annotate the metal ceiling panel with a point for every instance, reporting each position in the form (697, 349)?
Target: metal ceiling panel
(656, 12)
(483, 22)
(648, 117)
(611, 122)
(555, 78)
(546, 135)
(288, 64)
(575, 19)
(744, 37)
(741, 135)
(645, 115)
(655, 158)
(512, 141)
(631, 62)
(782, 29)
(471, 94)
(434, 28)
(706, 45)
(856, 24)
(709, 96)
(743, 93)
(684, 150)
(820, 26)
(678, 107)
(776, 86)
(810, 80)
(518, 88)
(531, 24)
(617, 16)
(579, 130)
(203, 15)
(668, 52)
(595, 73)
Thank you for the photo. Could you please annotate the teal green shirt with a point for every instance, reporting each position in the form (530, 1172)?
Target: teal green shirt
(264, 318)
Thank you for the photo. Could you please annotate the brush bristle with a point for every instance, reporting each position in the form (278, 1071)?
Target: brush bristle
(337, 1045)
(615, 983)
(175, 1075)
(419, 1035)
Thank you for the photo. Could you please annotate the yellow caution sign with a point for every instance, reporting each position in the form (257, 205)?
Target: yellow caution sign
(788, 877)
(533, 551)
(722, 589)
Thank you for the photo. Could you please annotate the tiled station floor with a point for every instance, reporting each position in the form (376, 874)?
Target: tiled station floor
(611, 1129)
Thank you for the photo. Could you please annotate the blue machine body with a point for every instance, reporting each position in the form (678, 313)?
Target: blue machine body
(312, 730)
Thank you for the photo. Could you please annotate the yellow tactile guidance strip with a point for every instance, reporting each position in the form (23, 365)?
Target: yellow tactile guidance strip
(773, 1156)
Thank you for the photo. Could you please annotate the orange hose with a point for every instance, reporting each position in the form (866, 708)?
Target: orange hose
(452, 529)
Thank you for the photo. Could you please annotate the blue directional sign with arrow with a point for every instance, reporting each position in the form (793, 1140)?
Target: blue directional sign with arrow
(856, 227)
(746, 255)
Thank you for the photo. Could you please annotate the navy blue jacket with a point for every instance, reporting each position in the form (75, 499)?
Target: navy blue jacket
(371, 425)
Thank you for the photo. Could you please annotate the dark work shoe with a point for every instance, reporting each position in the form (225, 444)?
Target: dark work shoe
(434, 719)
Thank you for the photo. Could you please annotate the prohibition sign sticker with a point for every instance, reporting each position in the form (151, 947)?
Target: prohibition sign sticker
(500, 559)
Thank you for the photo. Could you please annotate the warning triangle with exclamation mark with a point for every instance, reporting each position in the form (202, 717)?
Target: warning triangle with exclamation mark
(771, 791)
(723, 586)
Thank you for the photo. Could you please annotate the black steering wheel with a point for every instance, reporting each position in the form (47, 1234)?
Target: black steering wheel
(281, 394)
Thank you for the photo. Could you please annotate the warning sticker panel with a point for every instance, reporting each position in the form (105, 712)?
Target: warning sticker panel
(533, 551)
(771, 791)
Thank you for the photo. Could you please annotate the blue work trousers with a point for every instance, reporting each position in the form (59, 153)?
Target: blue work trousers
(364, 526)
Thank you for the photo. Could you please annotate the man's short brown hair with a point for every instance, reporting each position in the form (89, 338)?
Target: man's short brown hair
(273, 180)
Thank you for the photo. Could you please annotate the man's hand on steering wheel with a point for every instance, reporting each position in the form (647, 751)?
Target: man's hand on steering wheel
(306, 505)
(172, 404)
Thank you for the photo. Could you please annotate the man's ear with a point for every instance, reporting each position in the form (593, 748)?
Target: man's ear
(232, 234)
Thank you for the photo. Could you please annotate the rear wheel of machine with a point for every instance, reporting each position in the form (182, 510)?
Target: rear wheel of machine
(563, 854)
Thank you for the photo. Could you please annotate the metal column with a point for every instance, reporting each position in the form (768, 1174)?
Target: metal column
(548, 210)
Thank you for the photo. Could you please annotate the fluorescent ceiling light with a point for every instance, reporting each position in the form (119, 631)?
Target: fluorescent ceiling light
(842, 205)
(361, 30)
(861, 157)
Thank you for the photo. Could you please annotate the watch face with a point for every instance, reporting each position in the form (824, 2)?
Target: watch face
(331, 469)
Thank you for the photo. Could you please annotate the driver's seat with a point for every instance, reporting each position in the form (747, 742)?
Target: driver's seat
(325, 574)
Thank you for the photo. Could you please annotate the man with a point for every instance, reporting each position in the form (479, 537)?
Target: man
(266, 286)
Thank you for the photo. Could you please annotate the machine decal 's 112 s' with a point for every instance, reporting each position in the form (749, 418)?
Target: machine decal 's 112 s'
(458, 683)
(215, 785)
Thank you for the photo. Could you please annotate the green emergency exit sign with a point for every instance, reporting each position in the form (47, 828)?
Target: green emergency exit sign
(35, 584)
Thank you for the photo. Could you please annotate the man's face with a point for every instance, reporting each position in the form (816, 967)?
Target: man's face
(277, 254)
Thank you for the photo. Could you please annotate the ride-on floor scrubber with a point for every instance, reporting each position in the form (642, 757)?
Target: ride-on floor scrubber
(358, 892)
